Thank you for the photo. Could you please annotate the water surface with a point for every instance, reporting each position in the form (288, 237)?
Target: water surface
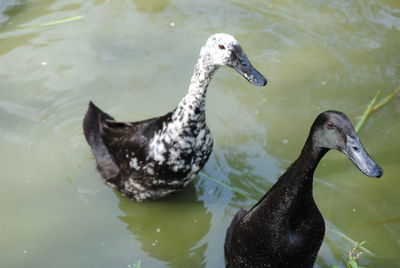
(134, 59)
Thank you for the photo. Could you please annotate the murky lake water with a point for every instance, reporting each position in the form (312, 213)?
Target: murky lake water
(135, 59)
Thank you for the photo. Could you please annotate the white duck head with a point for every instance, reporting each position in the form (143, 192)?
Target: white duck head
(223, 49)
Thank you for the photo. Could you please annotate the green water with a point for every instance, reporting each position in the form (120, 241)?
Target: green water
(134, 59)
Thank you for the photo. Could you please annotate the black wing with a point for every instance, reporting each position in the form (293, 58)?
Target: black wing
(127, 140)
(114, 143)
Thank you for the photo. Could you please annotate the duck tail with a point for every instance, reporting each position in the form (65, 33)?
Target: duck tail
(93, 124)
(93, 127)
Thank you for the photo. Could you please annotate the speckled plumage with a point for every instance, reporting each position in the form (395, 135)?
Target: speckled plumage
(156, 157)
(285, 228)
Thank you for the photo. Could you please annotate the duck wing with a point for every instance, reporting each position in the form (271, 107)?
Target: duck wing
(129, 140)
(114, 144)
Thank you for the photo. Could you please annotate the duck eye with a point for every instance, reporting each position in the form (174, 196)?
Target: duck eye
(221, 46)
(329, 125)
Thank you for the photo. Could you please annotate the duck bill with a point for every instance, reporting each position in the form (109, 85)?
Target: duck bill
(244, 67)
(357, 154)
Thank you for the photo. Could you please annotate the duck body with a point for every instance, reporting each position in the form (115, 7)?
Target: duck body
(287, 218)
(285, 228)
(153, 158)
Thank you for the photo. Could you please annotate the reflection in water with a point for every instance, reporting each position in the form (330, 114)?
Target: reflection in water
(248, 166)
(170, 229)
(153, 6)
(9, 8)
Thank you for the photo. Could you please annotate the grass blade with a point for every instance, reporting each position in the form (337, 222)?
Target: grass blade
(385, 100)
(55, 22)
(366, 112)
(235, 190)
(350, 240)
(46, 24)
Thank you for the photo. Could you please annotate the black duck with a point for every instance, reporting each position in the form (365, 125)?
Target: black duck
(285, 228)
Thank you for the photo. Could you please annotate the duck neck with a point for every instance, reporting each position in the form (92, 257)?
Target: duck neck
(297, 181)
(292, 193)
(308, 160)
(192, 106)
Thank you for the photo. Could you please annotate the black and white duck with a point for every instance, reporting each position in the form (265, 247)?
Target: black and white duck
(153, 158)
(285, 228)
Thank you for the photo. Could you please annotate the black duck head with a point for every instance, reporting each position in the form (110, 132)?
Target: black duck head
(333, 130)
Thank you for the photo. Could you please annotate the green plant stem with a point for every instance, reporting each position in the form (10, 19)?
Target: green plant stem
(46, 24)
(373, 108)
(385, 100)
(235, 190)
(351, 240)
(60, 21)
(55, 22)
(366, 112)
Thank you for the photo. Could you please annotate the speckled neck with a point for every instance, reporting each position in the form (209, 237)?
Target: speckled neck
(192, 106)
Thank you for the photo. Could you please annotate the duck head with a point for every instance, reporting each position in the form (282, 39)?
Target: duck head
(333, 130)
(223, 49)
